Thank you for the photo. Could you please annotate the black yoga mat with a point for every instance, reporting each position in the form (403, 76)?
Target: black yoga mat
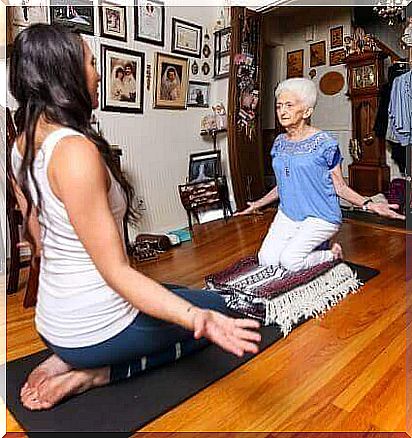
(129, 405)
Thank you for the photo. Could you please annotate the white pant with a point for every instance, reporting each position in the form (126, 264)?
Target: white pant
(291, 243)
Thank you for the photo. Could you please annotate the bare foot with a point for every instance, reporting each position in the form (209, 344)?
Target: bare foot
(337, 251)
(52, 366)
(56, 388)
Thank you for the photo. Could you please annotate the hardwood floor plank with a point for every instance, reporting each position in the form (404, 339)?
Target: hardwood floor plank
(343, 372)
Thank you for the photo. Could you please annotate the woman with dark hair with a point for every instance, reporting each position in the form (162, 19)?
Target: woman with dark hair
(103, 320)
(117, 83)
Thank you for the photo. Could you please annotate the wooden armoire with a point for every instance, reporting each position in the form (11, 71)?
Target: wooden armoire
(369, 174)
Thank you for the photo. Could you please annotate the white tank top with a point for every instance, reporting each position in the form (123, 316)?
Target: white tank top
(75, 306)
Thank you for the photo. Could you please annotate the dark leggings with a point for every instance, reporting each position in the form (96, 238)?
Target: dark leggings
(146, 343)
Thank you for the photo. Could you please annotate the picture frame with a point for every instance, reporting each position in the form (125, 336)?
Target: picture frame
(78, 18)
(336, 37)
(24, 16)
(294, 64)
(204, 166)
(186, 38)
(198, 94)
(149, 22)
(337, 57)
(113, 22)
(222, 53)
(122, 79)
(172, 80)
(318, 54)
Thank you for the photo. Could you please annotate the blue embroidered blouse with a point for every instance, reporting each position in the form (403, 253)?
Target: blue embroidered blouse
(302, 170)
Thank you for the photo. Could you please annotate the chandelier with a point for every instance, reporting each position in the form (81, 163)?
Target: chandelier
(391, 10)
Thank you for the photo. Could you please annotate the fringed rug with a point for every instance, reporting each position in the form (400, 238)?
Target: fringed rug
(277, 297)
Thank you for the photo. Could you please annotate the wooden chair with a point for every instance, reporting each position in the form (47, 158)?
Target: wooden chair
(15, 221)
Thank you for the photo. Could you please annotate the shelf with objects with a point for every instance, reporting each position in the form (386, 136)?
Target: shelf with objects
(205, 196)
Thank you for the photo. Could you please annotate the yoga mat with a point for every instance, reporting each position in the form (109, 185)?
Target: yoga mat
(129, 405)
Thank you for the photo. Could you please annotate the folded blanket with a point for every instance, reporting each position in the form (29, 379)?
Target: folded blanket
(276, 296)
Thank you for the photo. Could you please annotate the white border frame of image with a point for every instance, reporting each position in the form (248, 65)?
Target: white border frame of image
(257, 5)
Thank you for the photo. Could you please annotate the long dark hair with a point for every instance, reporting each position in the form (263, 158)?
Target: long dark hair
(47, 78)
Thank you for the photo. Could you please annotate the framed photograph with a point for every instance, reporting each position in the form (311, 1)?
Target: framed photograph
(294, 64)
(222, 53)
(198, 94)
(186, 38)
(80, 18)
(336, 37)
(113, 22)
(122, 80)
(204, 166)
(149, 22)
(337, 57)
(24, 16)
(172, 77)
(318, 54)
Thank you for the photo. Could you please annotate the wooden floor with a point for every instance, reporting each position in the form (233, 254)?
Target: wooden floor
(345, 372)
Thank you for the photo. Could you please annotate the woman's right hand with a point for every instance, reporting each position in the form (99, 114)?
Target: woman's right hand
(238, 336)
(252, 209)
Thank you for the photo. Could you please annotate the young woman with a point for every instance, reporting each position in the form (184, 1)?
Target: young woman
(307, 165)
(103, 320)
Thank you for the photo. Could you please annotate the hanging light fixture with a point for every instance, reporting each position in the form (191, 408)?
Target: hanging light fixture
(391, 10)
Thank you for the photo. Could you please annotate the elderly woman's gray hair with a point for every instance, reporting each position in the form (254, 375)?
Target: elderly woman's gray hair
(304, 88)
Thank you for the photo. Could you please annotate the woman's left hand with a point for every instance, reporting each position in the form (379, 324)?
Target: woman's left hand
(236, 335)
(386, 210)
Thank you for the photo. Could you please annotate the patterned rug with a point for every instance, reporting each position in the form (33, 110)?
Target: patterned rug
(278, 297)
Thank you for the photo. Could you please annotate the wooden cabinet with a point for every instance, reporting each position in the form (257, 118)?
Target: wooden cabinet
(369, 174)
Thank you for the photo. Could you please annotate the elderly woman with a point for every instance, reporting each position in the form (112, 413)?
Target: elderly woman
(307, 165)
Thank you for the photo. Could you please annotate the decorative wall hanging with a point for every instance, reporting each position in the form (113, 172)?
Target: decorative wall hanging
(318, 54)
(148, 76)
(205, 68)
(198, 94)
(336, 37)
(172, 79)
(312, 73)
(331, 83)
(222, 53)
(337, 57)
(122, 80)
(247, 73)
(149, 19)
(79, 18)
(294, 64)
(195, 68)
(186, 38)
(206, 51)
(113, 22)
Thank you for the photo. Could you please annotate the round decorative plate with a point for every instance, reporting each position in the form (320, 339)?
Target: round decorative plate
(331, 83)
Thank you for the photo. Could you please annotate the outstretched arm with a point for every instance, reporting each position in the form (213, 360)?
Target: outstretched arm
(79, 178)
(269, 198)
(345, 192)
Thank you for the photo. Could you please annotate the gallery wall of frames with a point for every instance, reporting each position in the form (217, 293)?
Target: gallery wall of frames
(157, 84)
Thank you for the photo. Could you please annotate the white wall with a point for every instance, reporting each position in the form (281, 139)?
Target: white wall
(287, 33)
(156, 144)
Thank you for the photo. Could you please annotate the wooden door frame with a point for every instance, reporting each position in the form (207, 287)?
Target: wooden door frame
(238, 182)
